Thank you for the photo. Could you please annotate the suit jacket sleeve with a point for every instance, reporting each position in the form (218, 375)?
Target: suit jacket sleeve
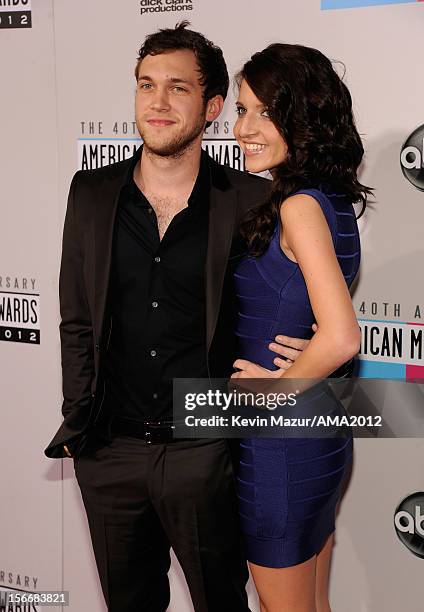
(76, 330)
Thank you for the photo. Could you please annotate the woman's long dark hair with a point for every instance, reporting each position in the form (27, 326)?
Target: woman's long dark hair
(312, 109)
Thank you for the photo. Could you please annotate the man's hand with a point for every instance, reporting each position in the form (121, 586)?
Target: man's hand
(290, 348)
(287, 347)
(247, 369)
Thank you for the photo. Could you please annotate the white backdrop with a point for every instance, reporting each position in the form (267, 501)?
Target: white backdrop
(67, 90)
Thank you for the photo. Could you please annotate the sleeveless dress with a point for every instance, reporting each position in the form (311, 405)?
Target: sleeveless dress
(288, 488)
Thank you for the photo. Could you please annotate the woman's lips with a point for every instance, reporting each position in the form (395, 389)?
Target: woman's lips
(251, 149)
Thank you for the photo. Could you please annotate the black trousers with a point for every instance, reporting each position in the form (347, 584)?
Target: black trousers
(141, 499)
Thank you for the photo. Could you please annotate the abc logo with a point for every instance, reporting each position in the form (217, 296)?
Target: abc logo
(412, 158)
(409, 523)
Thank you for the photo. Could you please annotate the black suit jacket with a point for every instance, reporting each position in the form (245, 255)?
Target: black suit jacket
(84, 280)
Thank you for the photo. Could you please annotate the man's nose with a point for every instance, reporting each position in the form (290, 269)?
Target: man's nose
(160, 100)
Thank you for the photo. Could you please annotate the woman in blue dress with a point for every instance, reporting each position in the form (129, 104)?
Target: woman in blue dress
(295, 120)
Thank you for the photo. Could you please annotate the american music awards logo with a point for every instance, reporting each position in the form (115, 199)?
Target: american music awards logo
(99, 146)
(340, 4)
(19, 309)
(391, 347)
(15, 14)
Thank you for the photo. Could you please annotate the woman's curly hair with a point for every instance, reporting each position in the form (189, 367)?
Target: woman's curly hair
(312, 109)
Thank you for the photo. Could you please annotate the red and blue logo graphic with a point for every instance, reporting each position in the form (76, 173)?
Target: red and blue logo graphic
(391, 349)
(340, 4)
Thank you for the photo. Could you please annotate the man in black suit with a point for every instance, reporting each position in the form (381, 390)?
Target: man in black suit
(149, 246)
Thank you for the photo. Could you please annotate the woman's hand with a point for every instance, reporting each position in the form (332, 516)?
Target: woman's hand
(289, 349)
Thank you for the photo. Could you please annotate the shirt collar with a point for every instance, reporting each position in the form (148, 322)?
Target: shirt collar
(199, 194)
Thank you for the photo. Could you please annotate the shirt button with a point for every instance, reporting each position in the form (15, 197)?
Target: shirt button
(157, 259)
(153, 353)
(155, 396)
(155, 304)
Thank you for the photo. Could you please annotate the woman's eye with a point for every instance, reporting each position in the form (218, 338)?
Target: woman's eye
(240, 110)
(265, 113)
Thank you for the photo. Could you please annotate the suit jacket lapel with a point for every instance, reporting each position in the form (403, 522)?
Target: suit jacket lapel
(222, 214)
(107, 200)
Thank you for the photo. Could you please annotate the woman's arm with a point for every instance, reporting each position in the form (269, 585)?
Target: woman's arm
(306, 238)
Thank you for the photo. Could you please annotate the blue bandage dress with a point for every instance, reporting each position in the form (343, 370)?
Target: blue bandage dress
(288, 488)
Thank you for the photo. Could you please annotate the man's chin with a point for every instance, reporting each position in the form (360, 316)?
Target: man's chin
(174, 145)
(169, 149)
(164, 150)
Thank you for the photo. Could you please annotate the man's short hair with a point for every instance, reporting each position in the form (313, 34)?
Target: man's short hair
(210, 59)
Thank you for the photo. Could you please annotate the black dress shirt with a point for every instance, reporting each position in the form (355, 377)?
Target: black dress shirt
(157, 302)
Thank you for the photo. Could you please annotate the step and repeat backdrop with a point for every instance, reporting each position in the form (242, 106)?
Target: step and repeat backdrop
(66, 103)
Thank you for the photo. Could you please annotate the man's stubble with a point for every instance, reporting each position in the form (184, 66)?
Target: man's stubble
(177, 146)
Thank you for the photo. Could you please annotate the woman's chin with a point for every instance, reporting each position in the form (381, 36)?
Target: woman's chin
(255, 165)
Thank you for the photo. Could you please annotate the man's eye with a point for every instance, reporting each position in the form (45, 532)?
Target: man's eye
(145, 85)
(179, 89)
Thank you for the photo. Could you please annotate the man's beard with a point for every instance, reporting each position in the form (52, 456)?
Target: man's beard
(177, 146)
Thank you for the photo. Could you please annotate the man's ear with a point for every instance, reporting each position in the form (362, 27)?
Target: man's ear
(214, 107)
